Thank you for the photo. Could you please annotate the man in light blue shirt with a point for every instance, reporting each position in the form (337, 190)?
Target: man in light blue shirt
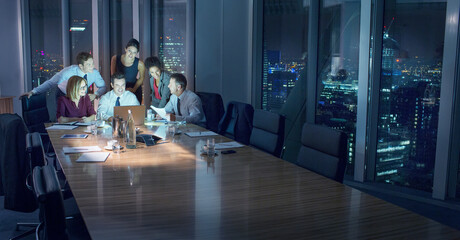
(117, 97)
(183, 105)
(84, 69)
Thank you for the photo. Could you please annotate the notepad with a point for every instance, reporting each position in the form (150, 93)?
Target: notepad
(200, 134)
(93, 157)
(74, 136)
(61, 127)
(228, 145)
(81, 149)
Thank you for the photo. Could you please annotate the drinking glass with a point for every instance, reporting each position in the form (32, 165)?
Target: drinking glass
(116, 147)
(172, 130)
(210, 144)
(93, 128)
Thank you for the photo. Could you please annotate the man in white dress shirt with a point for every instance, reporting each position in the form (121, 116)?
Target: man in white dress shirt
(84, 69)
(117, 97)
(183, 105)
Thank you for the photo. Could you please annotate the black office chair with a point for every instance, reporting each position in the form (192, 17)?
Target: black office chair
(237, 122)
(213, 108)
(14, 167)
(53, 209)
(38, 157)
(268, 132)
(52, 213)
(35, 112)
(324, 151)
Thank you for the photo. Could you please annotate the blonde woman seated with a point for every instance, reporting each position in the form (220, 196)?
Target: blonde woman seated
(76, 105)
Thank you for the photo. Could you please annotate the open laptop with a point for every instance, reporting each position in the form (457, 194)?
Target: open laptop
(137, 111)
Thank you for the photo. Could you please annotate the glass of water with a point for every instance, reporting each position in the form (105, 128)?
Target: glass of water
(210, 145)
(172, 130)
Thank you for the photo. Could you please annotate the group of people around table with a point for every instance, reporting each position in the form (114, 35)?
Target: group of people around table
(127, 77)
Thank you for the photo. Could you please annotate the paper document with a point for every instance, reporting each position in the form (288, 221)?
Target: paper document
(219, 146)
(200, 134)
(61, 127)
(84, 123)
(81, 149)
(93, 157)
(160, 111)
(74, 136)
(67, 123)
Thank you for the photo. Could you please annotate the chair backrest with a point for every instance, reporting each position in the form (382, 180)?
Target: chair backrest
(213, 108)
(324, 151)
(35, 112)
(34, 147)
(268, 131)
(237, 122)
(14, 166)
(49, 196)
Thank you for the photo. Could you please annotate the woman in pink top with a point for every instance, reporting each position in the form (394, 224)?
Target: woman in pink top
(76, 105)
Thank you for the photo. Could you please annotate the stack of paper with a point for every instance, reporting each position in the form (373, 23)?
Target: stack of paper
(61, 127)
(93, 157)
(81, 149)
(200, 134)
(225, 145)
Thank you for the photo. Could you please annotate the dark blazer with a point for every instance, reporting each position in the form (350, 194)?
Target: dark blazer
(237, 122)
(163, 89)
(14, 166)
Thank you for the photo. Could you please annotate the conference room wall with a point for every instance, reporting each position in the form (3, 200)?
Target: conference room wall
(12, 77)
(223, 48)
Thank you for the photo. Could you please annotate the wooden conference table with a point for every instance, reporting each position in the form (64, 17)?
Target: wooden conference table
(169, 191)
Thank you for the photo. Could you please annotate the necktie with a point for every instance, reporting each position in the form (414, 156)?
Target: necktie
(117, 103)
(178, 107)
(85, 77)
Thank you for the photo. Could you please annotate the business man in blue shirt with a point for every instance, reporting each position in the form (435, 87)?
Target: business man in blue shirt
(84, 69)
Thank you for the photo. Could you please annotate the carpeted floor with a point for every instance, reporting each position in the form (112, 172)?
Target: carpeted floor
(9, 219)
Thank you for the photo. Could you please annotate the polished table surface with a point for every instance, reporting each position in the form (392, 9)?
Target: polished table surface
(169, 191)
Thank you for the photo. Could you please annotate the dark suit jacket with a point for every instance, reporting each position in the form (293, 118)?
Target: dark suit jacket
(237, 122)
(163, 89)
(14, 166)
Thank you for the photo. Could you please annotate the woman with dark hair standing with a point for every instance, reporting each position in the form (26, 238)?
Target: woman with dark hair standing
(159, 81)
(76, 104)
(131, 66)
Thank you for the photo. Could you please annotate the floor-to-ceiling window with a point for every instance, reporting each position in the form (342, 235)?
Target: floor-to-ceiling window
(169, 33)
(121, 25)
(284, 71)
(285, 41)
(337, 76)
(80, 24)
(45, 39)
(412, 52)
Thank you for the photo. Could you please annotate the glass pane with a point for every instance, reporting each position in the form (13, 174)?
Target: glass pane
(80, 28)
(285, 35)
(45, 39)
(338, 63)
(121, 25)
(409, 92)
(169, 33)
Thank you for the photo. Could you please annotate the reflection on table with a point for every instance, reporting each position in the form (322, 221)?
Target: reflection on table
(170, 190)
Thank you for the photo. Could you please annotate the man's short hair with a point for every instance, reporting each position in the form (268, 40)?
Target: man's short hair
(180, 80)
(133, 43)
(117, 75)
(153, 62)
(82, 57)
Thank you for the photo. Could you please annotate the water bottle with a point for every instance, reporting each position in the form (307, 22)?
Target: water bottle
(130, 131)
